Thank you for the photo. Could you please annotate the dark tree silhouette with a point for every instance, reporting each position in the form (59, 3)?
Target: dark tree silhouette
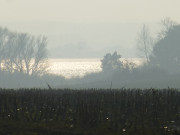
(166, 52)
(111, 62)
(166, 24)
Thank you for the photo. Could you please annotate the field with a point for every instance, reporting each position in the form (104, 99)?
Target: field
(90, 112)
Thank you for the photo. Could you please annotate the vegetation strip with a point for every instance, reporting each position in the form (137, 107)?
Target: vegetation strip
(69, 112)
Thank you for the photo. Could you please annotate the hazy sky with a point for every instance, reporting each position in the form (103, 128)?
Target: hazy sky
(89, 10)
(61, 21)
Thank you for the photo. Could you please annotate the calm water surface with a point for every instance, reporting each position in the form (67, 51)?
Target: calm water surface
(70, 68)
(74, 67)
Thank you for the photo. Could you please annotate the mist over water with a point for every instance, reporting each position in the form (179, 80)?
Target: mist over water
(27, 63)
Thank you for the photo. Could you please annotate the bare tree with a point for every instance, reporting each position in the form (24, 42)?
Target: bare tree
(144, 42)
(25, 53)
(3, 41)
(40, 56)
(9, 52)
(166, 24)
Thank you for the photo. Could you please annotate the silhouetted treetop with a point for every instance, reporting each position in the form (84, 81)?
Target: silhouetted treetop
(111, 62)
(166, 52)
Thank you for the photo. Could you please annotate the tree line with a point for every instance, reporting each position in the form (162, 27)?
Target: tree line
(161, 52)
(27, 54)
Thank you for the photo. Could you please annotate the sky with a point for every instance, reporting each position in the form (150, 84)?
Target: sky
(89, 10)
(87, 28)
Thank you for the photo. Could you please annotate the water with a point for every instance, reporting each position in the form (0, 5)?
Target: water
(70, 68)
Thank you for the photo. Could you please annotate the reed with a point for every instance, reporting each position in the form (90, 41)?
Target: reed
(65, 111)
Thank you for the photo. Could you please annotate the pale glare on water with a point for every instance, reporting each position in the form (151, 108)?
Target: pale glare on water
(74, 67)
(70, 68)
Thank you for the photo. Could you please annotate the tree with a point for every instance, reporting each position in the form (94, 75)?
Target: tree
(144, 42)
(111, 62)
(40, 56)
(166, 24)
(166, 52)
(3, 41)
(24, 53)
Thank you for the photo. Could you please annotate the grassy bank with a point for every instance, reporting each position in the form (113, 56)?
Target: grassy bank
(87, 112)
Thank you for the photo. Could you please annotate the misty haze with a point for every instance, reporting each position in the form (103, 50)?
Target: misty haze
(89, 67)
(132, 53)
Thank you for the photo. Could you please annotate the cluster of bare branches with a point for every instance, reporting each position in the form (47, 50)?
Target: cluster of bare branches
(21, 52)
(145, 41)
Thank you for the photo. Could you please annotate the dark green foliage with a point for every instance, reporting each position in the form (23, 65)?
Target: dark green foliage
(87, 112)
